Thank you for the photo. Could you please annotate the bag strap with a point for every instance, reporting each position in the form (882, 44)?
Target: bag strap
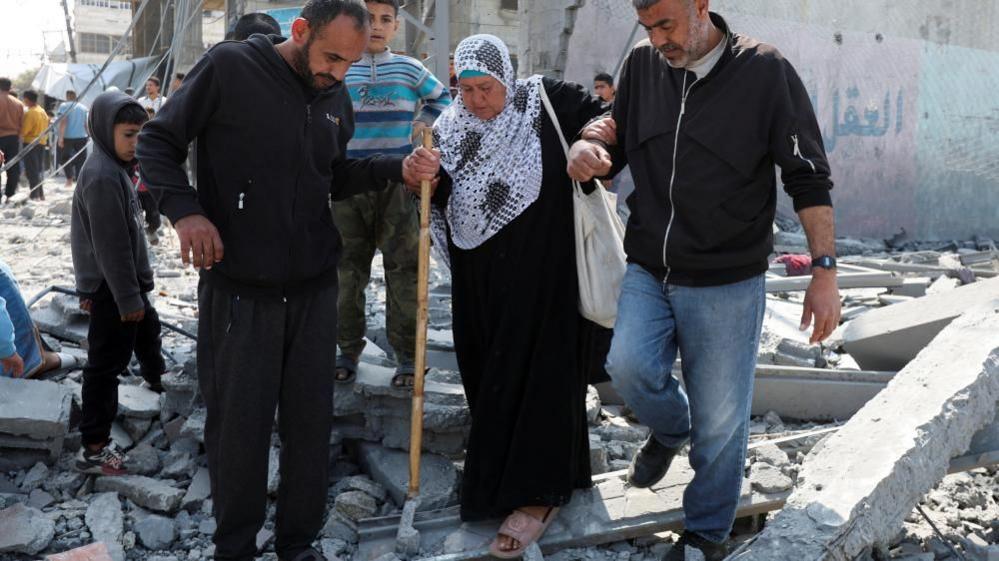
(554, 118)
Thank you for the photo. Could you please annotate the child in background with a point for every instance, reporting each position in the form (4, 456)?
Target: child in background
(113, 274)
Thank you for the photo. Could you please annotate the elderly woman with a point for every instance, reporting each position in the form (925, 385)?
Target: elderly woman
(503, 219)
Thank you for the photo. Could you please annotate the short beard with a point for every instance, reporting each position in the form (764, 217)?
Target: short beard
(302, 67)
(698, 34)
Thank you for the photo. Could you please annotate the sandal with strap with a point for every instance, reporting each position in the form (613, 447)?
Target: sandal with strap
(346, 369)
(524, 528)
(405, 375)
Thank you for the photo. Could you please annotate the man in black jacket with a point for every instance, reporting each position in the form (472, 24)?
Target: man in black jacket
(702, 116)
(272, 120)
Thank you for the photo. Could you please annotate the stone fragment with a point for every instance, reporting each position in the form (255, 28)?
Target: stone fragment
(768, 479)
(35, 408)
(138, 401)
(24, 530)
(355, 505)
(199, 490)
(390, 469)
(769, 453)
(155, 532)
(143, 460)
(143, 491)
(106, 523)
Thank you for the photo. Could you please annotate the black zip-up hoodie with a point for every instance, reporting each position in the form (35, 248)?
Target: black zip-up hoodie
(271, 154)
(708, 219)
(106, 235)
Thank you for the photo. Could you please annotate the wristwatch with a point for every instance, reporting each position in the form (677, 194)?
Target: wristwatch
(825, 262)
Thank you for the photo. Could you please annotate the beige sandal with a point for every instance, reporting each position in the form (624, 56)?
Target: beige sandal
(524, 528)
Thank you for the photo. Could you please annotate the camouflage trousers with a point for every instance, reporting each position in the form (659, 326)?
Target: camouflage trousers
(388, 221)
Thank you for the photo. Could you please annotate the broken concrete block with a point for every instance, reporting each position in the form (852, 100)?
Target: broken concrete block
(339, 527)
(143, 491)
(24, 530)
(40, 499)
(390, 469)
(592, 405)
(136, 428)
(34, 408)
(106, 522)
(355, 505)
(143, 460)
(194, 427)
(138, 401)
(121, 437)
(943, 284)
(771, 454)
(914, 287)
(767, 479)
(363, 484)
(53, 320)
(857, 489)
(199, 490)
(35, 476)
(93, 552)
(888, 338)
(155, 531)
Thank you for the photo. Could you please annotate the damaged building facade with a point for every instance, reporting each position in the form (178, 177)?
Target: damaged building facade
(904, 96)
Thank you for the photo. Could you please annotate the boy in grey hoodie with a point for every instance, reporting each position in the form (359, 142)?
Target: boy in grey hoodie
(113, 276)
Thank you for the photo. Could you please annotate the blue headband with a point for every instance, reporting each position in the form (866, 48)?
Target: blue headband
(472, 74)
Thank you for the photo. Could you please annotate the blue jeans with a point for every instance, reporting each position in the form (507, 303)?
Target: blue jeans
(717, 331)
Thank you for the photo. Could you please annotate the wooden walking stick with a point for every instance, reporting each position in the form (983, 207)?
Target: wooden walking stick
(408, 538)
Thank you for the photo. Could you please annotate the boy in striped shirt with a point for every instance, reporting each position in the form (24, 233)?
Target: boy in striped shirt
(394, 97)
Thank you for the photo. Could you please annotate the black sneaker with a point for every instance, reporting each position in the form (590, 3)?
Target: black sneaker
(712, 551)
(109, 460)
(650, 464)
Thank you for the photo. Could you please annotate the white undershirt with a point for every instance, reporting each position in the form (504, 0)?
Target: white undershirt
(703, 66)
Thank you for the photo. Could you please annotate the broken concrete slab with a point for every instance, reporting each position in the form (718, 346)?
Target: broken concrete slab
(814, 393)
(856, 490)
(390, 469)
(52, 320)
(143, 491)
(24, 530)
(93, 552)
(888, 338)
(609, 512)
(199, 490)
(355, 505)
(766, 478)
(155, 531)
(33, 408)
(138, 401)
(106, 522)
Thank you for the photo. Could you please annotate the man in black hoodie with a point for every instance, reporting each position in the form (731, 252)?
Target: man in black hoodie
(272, 120)
(701, 117)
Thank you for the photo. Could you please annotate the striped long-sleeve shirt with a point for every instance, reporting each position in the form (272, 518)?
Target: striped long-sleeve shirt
(387, 89)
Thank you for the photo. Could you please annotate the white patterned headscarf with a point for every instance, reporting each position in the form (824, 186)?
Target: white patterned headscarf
(495, 165)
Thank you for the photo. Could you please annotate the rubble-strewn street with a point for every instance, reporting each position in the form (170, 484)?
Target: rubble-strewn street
(897, 299)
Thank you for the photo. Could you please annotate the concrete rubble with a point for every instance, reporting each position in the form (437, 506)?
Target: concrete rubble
(803, 394)
(857, 488)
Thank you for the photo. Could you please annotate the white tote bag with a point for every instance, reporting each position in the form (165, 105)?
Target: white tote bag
(600, 258)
